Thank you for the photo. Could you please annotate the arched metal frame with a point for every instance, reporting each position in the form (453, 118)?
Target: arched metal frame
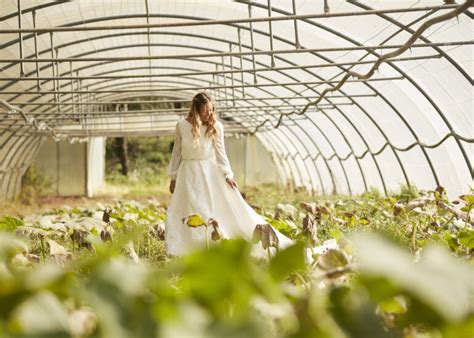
(299, 130)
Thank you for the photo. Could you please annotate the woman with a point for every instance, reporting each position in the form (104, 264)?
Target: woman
(202, 183)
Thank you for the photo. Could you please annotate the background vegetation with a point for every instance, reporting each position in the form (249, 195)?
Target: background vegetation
(362, 266)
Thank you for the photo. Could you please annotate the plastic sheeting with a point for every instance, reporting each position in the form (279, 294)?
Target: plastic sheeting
(380, 133)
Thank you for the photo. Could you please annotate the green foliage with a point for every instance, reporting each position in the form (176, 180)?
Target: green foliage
(143, 152)
(10, 223)
(286, 261)
(34, 183)
(407, 193)
(60, 276)
(148, 161)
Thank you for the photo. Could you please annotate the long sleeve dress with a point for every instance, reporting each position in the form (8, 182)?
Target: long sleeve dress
(201, 188)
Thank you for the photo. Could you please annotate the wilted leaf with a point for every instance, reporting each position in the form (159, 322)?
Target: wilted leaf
(286, 209)
(398, 208)
(80, 237)
(31, 232)
(309, 207)
(158, 230)
(105, 235)
(309, 230)
(86, 224)
(323, 210)
(106, 215)
(264, 233)
(59, 253)
(469, 218)
(216, 233)
(332, 259)
(419, 202)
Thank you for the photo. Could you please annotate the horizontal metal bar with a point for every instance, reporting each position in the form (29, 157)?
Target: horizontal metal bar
(78, 132)
(195, 88)
(89, 123)
(94, 103)
(236, 54)
(266, 69)
(164, 111)
(142, 133)
(226, 22)
(125, 133)
(151, 114)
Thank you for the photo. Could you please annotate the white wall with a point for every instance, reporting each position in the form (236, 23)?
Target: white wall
(96, 165)
(250, 161)
(74, 169)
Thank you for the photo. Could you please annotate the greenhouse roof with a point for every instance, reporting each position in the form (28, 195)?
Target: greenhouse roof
(289, 71)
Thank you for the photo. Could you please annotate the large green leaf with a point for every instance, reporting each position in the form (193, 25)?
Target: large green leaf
(288, 260)
(438, 281)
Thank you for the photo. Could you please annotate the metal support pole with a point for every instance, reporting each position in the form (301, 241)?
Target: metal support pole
(214, 82)
(252, 45)
(216, 88)
(71, 71)
(51, 39)
(326, 7)
(232, 75)
(58, 85)
(225, 82)
(295, 21)
(20, 37)
(270, 31)
(241, 62)
(35, 40)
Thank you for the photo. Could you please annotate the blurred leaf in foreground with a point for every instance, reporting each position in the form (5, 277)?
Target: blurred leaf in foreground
(438, 288)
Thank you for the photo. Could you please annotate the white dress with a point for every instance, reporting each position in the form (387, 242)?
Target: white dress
(201, 188)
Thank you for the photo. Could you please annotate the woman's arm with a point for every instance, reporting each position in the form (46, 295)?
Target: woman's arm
(175, 155)
(221, 156)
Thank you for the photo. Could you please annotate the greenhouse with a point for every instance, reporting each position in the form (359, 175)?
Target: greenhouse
(338, 116)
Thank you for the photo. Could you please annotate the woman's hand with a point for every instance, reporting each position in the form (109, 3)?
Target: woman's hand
(172, 185)
(231, 182)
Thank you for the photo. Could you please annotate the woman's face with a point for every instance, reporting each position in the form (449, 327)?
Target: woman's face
(206, 112)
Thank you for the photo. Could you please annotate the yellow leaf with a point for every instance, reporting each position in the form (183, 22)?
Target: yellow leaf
(194, 220)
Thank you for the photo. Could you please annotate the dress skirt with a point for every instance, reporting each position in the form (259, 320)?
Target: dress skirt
(202, 189)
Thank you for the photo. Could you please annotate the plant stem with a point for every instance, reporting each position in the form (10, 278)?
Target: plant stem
(148, 244)
(302, 281)
(413, 239)
(42, 248)
(207, 238)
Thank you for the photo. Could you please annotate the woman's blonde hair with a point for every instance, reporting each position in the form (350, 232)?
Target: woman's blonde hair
(198, 103)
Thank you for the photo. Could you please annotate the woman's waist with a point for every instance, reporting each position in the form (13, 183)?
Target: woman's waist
(198, 158)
